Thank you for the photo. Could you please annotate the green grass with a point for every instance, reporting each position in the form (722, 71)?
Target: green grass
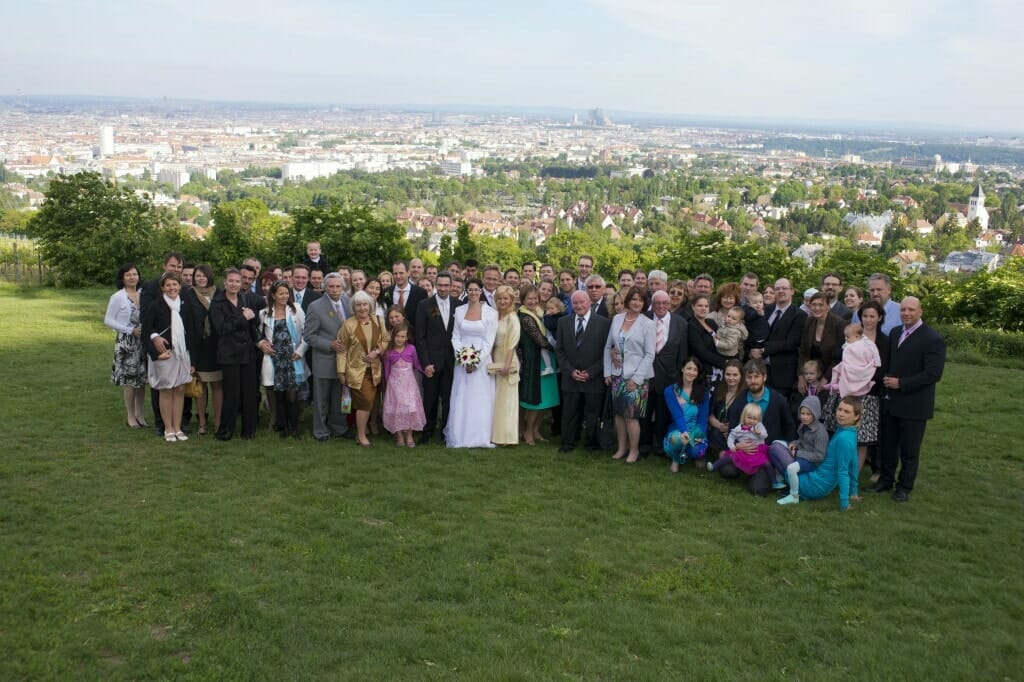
(123, 557)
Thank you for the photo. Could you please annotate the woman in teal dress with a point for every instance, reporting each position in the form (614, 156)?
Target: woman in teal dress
(538, 374)
(688, 402)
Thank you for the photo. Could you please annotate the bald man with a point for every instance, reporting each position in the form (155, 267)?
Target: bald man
(782, 347)
(917, 357)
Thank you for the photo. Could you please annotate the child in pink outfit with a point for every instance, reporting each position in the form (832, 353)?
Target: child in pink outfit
(855, 374)
(402, 411)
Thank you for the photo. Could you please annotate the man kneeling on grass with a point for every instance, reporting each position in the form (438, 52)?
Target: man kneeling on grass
(840, 466)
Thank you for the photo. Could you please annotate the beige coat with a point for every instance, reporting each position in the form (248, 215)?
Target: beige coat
(351, 366)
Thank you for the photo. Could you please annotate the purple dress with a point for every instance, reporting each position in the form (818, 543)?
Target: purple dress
(403, 406)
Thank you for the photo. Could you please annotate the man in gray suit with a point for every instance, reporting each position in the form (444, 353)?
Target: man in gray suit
(671, 347)
(580, 348)
(323, 320)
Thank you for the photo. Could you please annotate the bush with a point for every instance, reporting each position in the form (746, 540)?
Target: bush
(989, 299)
(976, 346)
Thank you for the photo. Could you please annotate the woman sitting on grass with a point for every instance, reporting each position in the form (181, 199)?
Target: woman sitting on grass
(840, 466)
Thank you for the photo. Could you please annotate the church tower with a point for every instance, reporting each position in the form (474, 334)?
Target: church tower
(976, 207)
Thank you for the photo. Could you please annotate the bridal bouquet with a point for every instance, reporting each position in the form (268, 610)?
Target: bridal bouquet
(468, 357)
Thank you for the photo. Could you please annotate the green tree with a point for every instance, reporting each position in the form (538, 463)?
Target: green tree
(445, 249)
(87, 227)
(464, 246)
(241, 229)
(349, 234)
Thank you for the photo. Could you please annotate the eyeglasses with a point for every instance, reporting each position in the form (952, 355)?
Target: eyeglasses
(595, 286)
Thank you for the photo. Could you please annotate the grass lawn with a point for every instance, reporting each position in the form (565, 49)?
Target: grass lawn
(122, 556)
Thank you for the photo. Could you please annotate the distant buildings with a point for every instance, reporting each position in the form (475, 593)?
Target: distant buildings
(970, 261)
(976, 207)
(456, 167)
(106, 141)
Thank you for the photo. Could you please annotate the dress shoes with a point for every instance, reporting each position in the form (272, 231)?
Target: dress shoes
(322, 439)
(222, 436)
(880, 487)
(901, 495)
(424, 438)
(565, 448)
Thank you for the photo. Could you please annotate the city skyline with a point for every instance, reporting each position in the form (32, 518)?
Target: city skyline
(953, 65)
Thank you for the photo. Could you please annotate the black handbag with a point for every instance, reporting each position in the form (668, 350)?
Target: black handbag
(607, 438)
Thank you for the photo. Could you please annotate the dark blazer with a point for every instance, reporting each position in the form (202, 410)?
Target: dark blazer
(918, 364)
(600, 308)
(840, 310)
(236, 336)
(588, 357)
(832, 341)
(323, 266)
(416, 296)
(308, 296)
(668, 362)
(702, 345)
(149, 292)
(783, 346)
(778, 420)
(433, 341)
(156, 319)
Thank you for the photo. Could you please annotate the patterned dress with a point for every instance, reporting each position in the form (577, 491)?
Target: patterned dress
(129, 368)
(284, 366)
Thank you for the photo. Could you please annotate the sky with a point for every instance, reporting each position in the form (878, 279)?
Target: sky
(946, 63)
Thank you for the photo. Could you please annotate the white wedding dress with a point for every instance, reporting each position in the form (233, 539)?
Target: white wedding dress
(472, 405)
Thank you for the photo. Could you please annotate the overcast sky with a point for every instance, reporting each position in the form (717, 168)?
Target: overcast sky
(949, 63)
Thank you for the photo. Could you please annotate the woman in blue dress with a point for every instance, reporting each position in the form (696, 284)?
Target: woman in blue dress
(688, 402)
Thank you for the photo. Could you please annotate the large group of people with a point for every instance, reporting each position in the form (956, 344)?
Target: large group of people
(740, 379)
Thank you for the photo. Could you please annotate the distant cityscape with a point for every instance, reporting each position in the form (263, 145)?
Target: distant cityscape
(175, 144)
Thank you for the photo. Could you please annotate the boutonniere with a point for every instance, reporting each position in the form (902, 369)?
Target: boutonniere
(330, 313)
(435, 312)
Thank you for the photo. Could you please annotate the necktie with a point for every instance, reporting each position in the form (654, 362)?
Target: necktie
(401, 298)
(298, 296)
(659, 339)
(443, 307)
(903, 336)
(579, 331)
(337, 309)
(775, 316)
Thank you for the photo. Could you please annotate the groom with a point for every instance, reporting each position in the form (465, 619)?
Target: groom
(435, 320)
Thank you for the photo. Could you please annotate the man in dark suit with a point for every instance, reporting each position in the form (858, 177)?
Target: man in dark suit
(150, 292)
(832, 286)
(671, 344)
(782, 348)
(581, 338)
(595, 292)
(404, 292)
(301, 292)
(917, 357)
(434, 322)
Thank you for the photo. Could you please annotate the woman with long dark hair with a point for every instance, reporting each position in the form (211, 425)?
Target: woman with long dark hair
(284, 370)
(688, 402)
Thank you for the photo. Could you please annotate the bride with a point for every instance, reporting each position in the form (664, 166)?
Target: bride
(472, 404)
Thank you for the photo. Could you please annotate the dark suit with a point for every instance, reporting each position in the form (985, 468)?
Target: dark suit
(323, 266)
(308, 296)
(782, 348)
(434, 347)
(412, 301)
(840, 310)
(239, 360)
(918, 364)
(583, 399)
(777, 419)
(600, 308)
(702, 346)
(668, 363)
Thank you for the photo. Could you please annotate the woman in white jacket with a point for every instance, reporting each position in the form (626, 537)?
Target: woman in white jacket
(628, 368)
(129, 369)
(284, 371)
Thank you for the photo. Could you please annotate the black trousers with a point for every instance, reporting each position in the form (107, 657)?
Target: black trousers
(581, 407)
(901, 443)
(437, 396)
(240, 393)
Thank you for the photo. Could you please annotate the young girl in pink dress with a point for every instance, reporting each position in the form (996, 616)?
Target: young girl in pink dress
(403, 406)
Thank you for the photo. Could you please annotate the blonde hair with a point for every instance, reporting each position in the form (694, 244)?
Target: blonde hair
(557, 303)
(750, 410)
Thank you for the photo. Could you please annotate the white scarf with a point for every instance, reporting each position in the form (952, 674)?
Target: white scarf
(178, 346)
